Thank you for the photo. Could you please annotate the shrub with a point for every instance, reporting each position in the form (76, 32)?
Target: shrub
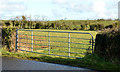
(17, 23)
(100, 26)
(38, 25)
(7, 36)
(83, 26)
(109, 26)
(107, 45)
(116, 24)
(53, 25)
(7, 23)
(92, 27)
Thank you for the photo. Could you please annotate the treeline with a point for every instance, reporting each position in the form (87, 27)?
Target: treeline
(99, 24)
(59, 25)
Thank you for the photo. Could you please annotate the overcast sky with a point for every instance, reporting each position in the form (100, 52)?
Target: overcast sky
(60, 9)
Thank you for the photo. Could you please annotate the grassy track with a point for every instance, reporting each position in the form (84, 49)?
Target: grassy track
(58, 42)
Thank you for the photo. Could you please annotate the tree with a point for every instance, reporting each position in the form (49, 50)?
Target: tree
(53, 25)
(23, 18)
(38, 25)
(83, 26)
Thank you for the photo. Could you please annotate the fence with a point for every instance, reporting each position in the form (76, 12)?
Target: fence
(58, 43)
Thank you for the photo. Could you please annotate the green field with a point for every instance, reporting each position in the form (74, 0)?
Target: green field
(79, 43)
(78, 22)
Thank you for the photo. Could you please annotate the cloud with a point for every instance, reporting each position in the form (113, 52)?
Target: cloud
(79, 7)
(99, 6)
(59, 1)
(91, 9)
(12, 5)
(102, 9)
(61, 8)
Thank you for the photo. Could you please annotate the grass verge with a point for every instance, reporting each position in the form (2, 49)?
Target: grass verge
(90, 61)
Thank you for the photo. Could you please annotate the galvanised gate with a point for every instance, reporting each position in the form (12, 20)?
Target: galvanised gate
(58, 43)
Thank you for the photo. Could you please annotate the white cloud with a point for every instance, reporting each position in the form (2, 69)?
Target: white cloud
(79, 7)
(99, 6)
(90, 8)
(101, 9)
(62, 8)
(11, 5)
(60, 1)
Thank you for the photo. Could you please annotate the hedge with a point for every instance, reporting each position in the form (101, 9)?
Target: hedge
(8, 37)
(107, 45)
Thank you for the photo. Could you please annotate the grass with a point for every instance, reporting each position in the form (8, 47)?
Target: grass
(77, 22)
(58, 42)
(89, 61)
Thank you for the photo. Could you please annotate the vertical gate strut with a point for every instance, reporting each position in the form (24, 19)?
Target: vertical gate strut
(16, 48)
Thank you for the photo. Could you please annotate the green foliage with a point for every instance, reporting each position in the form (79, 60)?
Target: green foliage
(53, 25)
(109, 26)
(7, 23)
(92, 27)
(7, 36)
(100, 26)
(38, 25)
(107, 45)
(23, 18)
(83, 27)
(63, 24)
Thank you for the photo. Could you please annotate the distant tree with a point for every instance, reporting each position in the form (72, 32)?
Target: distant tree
(7, 23)
(13, 22)
(100, 26)
(100, 19)
(23, 18)
(92, 27)
(53, 25)
(38, 25)
(83, 26)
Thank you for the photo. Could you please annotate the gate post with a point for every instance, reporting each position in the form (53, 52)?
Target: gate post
(16, 48)
(69, 44)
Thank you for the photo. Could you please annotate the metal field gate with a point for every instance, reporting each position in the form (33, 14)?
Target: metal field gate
(58, 43)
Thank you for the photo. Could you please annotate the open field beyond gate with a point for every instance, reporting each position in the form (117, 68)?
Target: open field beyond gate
(56, 42)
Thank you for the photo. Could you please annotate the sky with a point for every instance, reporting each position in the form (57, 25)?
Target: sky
(59, 9)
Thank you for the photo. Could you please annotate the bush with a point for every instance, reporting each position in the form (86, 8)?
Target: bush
(100, 26)
(92, 27)
(7, 36)
(83, 26)
(53, 25)
(17, 23)
(107, 45)
(109, 26)
(38, 25)
(7, 23)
